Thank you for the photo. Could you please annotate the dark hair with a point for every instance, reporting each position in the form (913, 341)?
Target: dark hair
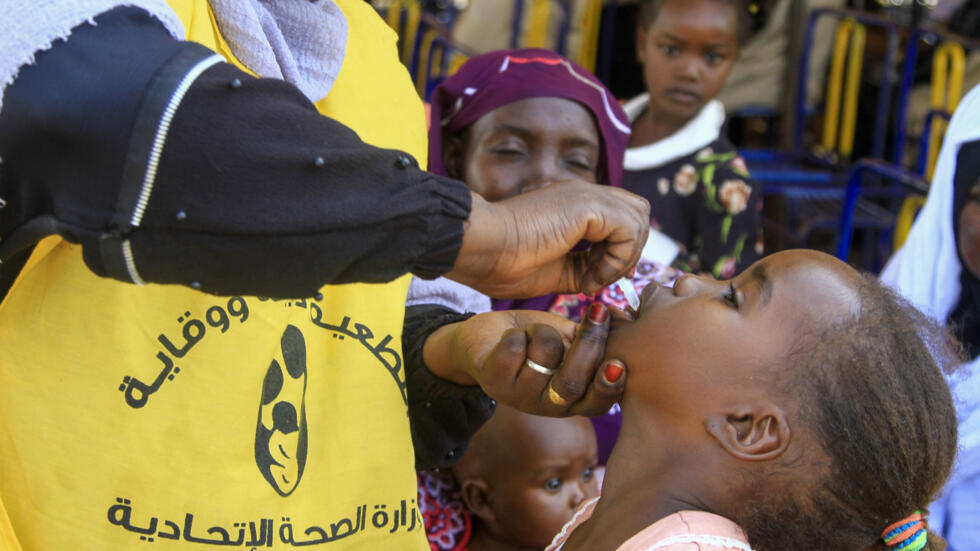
(647, 11)
(873, 395)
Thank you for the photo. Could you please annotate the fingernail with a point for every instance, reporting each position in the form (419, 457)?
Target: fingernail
(598, 313)
(613, 371)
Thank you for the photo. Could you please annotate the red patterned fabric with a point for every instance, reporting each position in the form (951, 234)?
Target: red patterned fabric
(448, 524)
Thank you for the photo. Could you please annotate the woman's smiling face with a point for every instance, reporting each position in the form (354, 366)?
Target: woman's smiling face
(707, 342)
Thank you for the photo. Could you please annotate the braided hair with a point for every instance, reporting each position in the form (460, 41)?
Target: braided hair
(871, 393)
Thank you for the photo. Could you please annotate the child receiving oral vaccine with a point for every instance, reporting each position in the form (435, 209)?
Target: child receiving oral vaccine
(816, 416)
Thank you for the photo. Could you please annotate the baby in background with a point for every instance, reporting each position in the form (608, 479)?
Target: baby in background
(524, 476)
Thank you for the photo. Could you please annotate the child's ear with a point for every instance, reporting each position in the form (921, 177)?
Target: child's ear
(751, 433)
(476, 497)
(452, 156)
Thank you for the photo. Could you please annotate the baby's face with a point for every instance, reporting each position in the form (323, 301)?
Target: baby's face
(528, 144)
(542, 485)
(706, 344)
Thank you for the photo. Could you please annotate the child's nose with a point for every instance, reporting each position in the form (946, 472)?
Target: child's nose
(578, 495)
(687, 68)
(690, 284)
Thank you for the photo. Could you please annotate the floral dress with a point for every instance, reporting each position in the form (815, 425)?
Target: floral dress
(707, 202)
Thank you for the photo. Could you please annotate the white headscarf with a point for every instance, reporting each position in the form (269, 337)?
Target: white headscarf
(301, 42)
(926, 270)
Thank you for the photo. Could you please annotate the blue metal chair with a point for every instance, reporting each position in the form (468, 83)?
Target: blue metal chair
(946, 83)
(840, 105)
(439, 57)
(899, 184)
(810, 179)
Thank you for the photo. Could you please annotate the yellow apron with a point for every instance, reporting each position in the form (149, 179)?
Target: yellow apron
(158, 414)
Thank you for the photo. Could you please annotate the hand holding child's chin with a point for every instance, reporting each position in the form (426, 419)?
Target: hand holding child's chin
(537, 362)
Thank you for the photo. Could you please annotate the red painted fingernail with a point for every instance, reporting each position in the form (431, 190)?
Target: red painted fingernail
(598, 313)
(613, 371)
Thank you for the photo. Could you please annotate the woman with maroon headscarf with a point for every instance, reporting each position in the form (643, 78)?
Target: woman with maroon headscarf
(506, 123)
(511, 121)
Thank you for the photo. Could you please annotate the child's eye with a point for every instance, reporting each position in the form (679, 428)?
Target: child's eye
(587, 474)
(552, 484)
(714, 59)
(670, 50)
(731, 297)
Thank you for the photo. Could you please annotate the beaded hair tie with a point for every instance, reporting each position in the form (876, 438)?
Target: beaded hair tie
(908, 534)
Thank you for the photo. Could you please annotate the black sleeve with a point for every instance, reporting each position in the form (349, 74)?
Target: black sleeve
(443, 415)
(170, 166)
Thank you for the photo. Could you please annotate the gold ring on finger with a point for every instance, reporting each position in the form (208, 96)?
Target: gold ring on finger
(555, 397)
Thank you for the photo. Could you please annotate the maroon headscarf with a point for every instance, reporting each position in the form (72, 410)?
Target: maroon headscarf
(488, 81)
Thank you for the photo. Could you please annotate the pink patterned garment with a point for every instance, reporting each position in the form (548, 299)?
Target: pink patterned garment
(573, 307)
(681, 531)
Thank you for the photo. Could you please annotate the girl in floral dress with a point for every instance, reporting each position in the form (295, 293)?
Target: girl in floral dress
(700, 192)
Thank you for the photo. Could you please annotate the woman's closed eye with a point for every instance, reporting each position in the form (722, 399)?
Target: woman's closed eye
(581, 161)
(507, 151)
(510, 147)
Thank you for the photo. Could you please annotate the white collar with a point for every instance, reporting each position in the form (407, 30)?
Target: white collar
(700, 131)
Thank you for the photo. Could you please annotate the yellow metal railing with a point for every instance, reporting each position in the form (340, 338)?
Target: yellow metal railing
(538, 27)
(425, 55)
(906, 216)
(437, 58)
(948, 63)
(536, 35)
(456, 60)
(840, 123)
(588, 22)
(408, 31)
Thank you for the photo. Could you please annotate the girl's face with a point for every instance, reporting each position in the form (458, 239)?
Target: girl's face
(705, 345)
(548, 476)
(525, 145)
(687, 52)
